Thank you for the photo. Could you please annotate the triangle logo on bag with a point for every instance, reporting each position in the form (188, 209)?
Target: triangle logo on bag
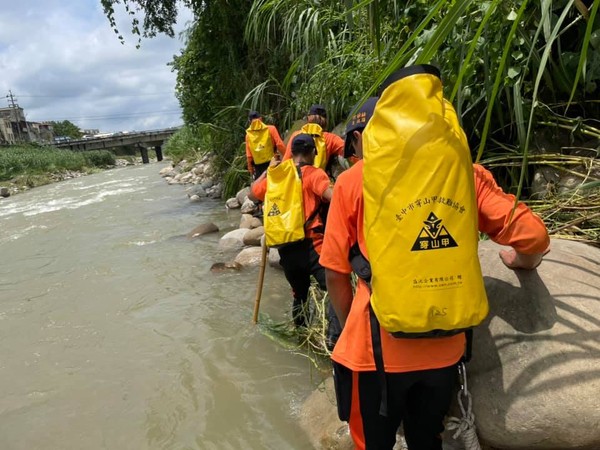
(274, 210)
(433, 235)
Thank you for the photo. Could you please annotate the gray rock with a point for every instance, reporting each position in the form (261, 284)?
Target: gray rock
(242, 195)
(318, 417)
(232, 203)
(225, 267)
(202, 229)
(274, 258)
(208, 183)
(196, 190)
(255, 223)
(248, 221)
(249, 207)
(4, 192)
(253, 236)
(535, 372)
(216, 191)
(234, 240)
(249, 257)
(167, 172)
(245, 221)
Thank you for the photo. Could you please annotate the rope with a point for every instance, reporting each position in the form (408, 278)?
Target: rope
(465, 426)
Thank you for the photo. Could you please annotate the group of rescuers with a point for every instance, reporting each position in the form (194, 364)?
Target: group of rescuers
(419, 374)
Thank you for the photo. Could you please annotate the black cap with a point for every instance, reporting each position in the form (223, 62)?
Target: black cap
(317, 110)
(303, 143)
(358, 121)
(253, 115)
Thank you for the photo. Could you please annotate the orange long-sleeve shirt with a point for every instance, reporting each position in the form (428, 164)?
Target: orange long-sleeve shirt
(525, 232)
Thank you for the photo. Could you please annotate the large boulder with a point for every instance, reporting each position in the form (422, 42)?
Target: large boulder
(202, 229)
(274, 258)
(253, 236)
(232, 203)
(249, 221)
(249, 207)
(318, 417)
(234, 240)
(249, 257)
(535, 372)
(242, 195)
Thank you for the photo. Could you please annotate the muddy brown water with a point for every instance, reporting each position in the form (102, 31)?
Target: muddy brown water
(114, 334)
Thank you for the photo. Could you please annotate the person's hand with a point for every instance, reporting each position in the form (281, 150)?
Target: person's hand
(515, 260)
(275, 161)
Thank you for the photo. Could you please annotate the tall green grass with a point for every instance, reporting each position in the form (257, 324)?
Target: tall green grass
(35, 160)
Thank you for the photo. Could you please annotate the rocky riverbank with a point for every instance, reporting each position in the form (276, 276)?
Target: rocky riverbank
(245, 241)
(24, 183)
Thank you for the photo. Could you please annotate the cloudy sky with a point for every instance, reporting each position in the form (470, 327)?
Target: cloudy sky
(62, 61)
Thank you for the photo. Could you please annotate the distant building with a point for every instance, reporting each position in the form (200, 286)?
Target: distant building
(6, 132)
(14, 128)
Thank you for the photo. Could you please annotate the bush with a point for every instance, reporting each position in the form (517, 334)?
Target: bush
(35, 160)
(187, 143)
(99, 158)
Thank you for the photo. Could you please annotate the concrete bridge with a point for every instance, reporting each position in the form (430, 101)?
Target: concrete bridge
(142, 140)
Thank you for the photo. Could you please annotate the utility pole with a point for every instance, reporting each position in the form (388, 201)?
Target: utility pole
(12, 102)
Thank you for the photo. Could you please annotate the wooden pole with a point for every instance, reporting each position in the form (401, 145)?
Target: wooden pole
(261, 278)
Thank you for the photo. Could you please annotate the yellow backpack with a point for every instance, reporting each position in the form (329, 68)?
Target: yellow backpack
(259, 142)
(316, 132)
(420, 212)
(283, 208)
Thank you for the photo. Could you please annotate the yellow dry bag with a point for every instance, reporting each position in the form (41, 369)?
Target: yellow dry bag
(420, 211)
(316, 132)
(283, 208)
(259, 142)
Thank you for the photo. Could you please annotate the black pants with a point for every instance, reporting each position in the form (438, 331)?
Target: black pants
(419, 400)
(259, 169)
(299, 261)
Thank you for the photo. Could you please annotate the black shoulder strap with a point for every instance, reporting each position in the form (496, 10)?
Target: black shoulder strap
(468, 346)
(378, 356)
(360, 264)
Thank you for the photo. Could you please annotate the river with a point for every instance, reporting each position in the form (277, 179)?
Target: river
(114, 334)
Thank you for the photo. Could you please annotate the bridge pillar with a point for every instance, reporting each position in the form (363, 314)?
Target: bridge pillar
(159, 155)
(144, 153)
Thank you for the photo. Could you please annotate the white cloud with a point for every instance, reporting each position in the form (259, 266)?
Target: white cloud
(61, 60)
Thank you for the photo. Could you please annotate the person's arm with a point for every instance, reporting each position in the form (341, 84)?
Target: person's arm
(335, 145)
(288, 149)
(522, 229)
(258, 189)
(339, 290)
(321, 185)
(277, 142)
(249, 158)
